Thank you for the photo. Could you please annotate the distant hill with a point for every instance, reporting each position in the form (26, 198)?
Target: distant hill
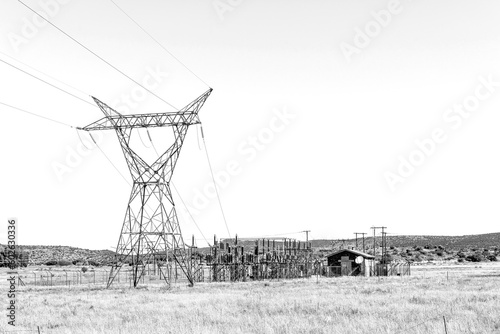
(449, 242)
(42, 254)
(409, 247)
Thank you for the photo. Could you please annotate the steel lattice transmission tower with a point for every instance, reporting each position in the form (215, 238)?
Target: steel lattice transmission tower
(151, 232)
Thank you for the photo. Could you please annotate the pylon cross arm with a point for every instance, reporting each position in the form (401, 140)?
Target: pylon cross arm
(143, 121)
(113, 120)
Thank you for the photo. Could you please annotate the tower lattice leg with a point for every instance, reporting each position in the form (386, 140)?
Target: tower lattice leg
(151, 234)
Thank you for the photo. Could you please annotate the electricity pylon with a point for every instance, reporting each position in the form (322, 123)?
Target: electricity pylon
(151, 232)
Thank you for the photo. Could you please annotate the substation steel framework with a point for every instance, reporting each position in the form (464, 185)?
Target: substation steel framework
(151, 232)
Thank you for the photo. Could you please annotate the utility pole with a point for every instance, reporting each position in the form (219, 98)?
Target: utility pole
(307, 251)
(374, 237)
(363, 234)
(384, 247)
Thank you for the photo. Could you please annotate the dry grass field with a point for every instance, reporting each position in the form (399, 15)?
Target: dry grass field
(468, 296)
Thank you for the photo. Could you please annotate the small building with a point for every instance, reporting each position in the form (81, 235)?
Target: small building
(349, 262)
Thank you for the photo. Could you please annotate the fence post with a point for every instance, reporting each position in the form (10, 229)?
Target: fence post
(445, 329)
(38, 327)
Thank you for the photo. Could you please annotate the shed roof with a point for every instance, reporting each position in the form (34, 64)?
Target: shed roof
(366, 256)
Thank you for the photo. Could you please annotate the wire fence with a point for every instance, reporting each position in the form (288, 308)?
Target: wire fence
(439, 321)
(201, 273)
(69, 278)
(37, 330)
(441, 318)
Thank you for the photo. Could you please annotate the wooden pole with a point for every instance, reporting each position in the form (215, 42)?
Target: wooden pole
(445, 329)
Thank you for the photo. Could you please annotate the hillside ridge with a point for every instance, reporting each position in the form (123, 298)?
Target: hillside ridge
(409, 247)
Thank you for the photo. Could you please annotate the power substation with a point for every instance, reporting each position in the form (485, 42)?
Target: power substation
(151, 246)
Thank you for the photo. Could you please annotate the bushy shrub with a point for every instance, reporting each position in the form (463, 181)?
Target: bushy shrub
(474, 258)
(84, 269)
(51, 263)
(63, 263)
(492, 258)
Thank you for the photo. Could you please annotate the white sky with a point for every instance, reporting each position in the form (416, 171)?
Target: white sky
(323, 169)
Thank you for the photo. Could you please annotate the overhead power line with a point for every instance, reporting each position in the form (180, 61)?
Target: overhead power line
(158, 43)
(96, 55)
(190, 215)
(215, 184)
(37, 115)
(178, 194)
(107, 158)
(46, 82)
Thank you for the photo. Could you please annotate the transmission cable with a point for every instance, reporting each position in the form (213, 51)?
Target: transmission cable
(190, 215)
(142, 141)
(100, 149)
(33, 114)
(46, 82)
(95, 54)
(158, 43)
(213, 179)
(81, 141)
(178, 194)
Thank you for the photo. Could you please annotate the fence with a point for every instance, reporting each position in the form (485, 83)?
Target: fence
(391, 269)
(37, 330)
(332, 271)
(201, 273)
(74, 277)
(400, 331)
(245, 272)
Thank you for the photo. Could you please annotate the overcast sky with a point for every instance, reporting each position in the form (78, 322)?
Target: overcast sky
(329, 116)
